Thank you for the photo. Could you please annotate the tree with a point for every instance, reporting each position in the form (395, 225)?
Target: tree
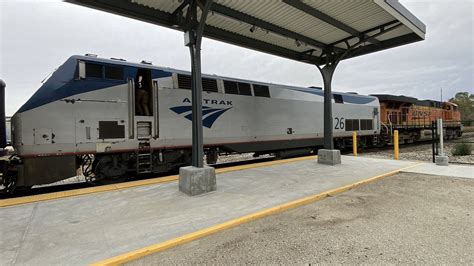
(465, 102)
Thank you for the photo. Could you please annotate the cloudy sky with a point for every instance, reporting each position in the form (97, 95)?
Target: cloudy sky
(38, 36)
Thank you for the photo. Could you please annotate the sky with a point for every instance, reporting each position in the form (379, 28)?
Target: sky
(37, 36)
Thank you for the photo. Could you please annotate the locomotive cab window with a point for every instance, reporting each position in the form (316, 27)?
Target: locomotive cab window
(112, 72)
(94, 70)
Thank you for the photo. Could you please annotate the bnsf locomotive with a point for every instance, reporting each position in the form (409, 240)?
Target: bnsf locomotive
(116, 119)
(413, 118)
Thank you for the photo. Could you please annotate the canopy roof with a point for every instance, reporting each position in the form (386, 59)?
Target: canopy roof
(302, 30)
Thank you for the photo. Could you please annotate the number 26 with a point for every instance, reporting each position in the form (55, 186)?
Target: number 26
(339, 123)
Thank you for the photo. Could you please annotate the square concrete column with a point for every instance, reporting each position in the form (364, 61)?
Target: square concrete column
(441, 160)
(194, 180)
(330, 157)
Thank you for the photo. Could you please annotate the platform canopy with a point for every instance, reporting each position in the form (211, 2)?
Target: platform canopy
(318, 32)
(302, 30)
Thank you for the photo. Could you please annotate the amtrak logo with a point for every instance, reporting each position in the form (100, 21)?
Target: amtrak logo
(209, 114)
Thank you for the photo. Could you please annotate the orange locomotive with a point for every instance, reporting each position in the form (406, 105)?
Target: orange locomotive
(413, 118)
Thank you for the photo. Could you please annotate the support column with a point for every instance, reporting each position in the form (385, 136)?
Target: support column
(441, 159)
(328, 155)
(3, 131)
(327, 72)
(197, 178)
(196, 101)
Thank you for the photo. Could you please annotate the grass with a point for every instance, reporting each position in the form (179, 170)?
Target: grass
(461, 149)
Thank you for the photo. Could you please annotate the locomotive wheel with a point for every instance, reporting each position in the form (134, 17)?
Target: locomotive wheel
(381, 143)
(8, 179)
(8, 182)
(109, 170)
(339, 143)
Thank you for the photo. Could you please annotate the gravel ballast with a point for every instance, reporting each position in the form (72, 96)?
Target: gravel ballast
(423, 152)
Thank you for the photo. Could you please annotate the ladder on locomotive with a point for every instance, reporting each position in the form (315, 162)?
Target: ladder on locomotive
(144, 157)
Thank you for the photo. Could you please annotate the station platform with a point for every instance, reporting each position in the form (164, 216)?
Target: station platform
(118, 226)
(454, 170)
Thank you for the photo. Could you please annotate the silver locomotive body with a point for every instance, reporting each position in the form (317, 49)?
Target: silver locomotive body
(86, 114)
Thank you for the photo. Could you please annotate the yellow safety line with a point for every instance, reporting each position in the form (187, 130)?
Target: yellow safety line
(139, 253)
(132, 184)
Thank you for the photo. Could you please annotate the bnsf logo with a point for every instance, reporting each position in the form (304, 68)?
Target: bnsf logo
(418, 113)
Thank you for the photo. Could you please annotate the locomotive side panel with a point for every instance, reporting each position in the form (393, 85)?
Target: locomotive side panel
(72, 124)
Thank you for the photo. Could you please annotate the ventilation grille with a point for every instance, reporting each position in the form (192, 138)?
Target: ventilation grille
(185, 83)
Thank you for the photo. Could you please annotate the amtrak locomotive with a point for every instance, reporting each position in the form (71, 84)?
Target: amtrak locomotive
(114, 119)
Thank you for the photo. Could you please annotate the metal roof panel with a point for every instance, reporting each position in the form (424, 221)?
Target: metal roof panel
(286, 27)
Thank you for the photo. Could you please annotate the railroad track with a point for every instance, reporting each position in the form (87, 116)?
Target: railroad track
(80, 185)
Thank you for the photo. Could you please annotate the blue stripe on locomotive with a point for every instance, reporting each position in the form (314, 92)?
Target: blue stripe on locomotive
(347, 98)
(63, 83)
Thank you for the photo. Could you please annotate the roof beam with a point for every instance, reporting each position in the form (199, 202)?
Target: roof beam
(229, 12)
(246, 42)
(382, 32)
(328, 19)
(131, 10)
(380, 28)
(387, 44)
(179, 9)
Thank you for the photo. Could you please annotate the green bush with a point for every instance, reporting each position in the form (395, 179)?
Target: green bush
(462, 149)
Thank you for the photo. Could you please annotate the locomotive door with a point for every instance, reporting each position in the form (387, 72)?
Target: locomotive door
(404, 115)
(155, 102)
(143, 106)
(131, 108)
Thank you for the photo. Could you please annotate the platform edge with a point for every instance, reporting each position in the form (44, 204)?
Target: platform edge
(132, 184)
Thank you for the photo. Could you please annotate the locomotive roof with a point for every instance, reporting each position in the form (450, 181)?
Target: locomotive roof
(122, 62)
(395, 98)
(62, 83)
(406, 99)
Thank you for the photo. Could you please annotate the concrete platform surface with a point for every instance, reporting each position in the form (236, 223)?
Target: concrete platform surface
(404, 219)
(86, 229)
(441, 170)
